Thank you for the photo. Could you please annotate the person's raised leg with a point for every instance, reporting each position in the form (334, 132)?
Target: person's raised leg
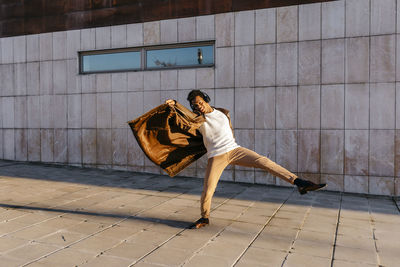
(246, 157)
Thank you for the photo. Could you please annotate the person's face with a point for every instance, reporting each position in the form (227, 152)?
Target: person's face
(200, 105)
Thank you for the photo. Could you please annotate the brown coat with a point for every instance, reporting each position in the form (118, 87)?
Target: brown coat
(169, 136)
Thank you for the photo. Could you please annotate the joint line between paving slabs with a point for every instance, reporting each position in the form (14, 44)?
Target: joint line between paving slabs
(371, 220)
(337, 229)
(178, 234)
(262, 229)
(93, 234)
(297, 233)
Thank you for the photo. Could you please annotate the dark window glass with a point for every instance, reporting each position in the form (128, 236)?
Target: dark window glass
(192, 56)
(111, 61)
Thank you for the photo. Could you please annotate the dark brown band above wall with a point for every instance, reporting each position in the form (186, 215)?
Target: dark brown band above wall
(20, 17)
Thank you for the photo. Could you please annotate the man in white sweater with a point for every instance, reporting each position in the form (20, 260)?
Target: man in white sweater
(222, 150)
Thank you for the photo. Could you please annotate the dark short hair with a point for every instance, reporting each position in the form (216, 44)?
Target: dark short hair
(192, 95)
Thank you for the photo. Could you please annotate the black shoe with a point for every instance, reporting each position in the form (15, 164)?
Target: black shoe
(200, 223)
(304, 186)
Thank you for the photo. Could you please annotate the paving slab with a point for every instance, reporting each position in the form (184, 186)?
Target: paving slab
(69, 216)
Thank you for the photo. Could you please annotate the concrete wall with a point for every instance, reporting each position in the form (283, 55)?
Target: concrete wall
(314, 87)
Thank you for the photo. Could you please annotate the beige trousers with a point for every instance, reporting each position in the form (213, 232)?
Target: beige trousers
(239, 156)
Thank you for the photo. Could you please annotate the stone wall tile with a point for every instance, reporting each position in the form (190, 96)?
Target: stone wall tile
(205, 26)
(309, 62)
(287, 24)
(47, 145)
(265, 143)
(32, 47)
(186, 29)
(333, 19)
(332, 151)
(119, 82)
(383, 16)
(309, 151)
(73, 43)
(224, 70)
(135, 81)
(89, 146)
(88, 83)
(266, 26)
(8, 112)
(286, 68)
(88, 39)
(265, 108)
(32, 78)
(309, 107)
(356, 184)
(103, 83)
(46, 111)
(265, 65)
(7, 50)
(397, 154)
(381, 186)
(334, 182)
(34, 145)
(244, 27)
(33, 111)
(382, 106)
(134, 35)
(357, 60)
(46, 77)
(119, 110)
(225, 29)
(381, 155)
(332, 106)
(7, 78)
(152, 80)
(119, 147)
(45, 46)
(286, 149)
(75, 146)
(103, 37)
(20, 112)
(103, 107)
(103, 147)
(357, 18)
(59, 45)
(310, 22)
(60, 77)
(60, 145)
(151, 33)
(356, 152)
(244, 108)
(21, 144)
(9, 144)
(74, 111)
(20, 79)
(73, 79)
(332, 63)
(244, 66)
(357, 106)
(118, 36)
(169, 79)
(151, 100)
(169, 31)
(135, 105)
(89, 111)
(186, 79)
(60, 111)
(225, 98)
(286, 107)
(204, 78)
(19, 49)
(383, 59)
(244, 176)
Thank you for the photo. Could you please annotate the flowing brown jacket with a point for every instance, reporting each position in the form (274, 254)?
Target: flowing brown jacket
(169, 136)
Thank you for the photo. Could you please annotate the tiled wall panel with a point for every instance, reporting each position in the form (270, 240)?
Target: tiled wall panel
(313, 87)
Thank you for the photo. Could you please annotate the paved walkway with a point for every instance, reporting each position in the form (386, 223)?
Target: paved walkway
(59, 216)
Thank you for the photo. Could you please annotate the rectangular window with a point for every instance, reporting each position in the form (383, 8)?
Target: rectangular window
(189, 55)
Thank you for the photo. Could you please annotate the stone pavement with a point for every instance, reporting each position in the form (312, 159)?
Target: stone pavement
(66, 216)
